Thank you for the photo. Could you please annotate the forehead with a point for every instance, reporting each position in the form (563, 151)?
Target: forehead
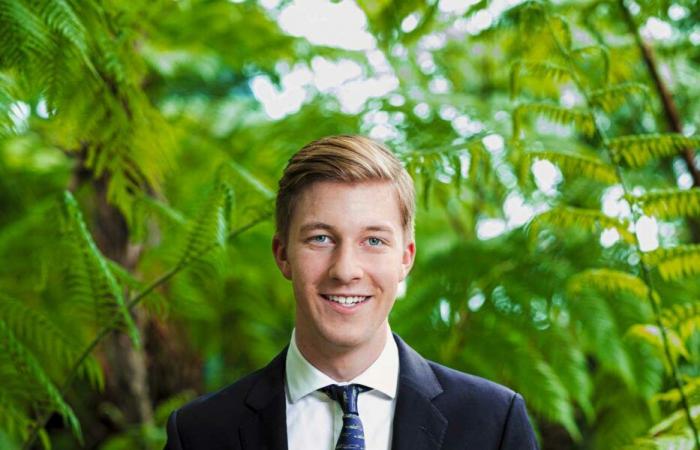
(347, 205)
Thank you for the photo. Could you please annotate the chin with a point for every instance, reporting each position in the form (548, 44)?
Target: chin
(348, 340)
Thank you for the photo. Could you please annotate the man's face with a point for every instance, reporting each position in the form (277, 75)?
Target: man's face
(345, 255)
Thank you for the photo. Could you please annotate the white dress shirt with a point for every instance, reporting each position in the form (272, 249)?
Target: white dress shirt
(314, 420)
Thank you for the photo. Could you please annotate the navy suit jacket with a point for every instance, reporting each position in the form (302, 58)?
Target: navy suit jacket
(437, 408)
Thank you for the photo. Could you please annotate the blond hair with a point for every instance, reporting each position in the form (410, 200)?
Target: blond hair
(347, 159)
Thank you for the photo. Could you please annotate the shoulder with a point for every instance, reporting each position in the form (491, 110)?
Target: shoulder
(465, 390)
(218, 415)
(448, 386)
(227, 404)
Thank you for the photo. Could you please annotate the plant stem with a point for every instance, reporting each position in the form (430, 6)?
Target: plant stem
(116, 320)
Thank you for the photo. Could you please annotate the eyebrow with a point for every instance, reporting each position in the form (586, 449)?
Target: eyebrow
(324, 226)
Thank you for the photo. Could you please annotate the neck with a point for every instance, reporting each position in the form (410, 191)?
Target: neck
(342, 363)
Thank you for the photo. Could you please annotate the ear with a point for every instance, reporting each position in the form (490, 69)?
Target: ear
(407, 258)
(279, 250)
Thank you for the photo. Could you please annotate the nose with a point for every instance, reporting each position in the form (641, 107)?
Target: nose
(345, 267)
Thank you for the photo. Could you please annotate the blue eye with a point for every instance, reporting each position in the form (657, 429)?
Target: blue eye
(374, 242)
(320, 239)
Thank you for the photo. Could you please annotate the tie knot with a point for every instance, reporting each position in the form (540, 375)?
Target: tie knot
(345, 395)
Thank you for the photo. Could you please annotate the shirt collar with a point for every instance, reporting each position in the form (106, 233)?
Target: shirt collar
(303, 378)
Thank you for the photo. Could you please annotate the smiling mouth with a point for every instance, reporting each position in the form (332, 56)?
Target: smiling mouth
(347, 301)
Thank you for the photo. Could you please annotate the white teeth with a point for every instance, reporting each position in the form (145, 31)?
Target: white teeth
(345, 300)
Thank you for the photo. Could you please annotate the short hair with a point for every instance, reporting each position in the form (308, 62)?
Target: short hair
(346, 159)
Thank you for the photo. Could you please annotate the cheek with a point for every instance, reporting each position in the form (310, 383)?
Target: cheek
(388, 273)
(307, 270)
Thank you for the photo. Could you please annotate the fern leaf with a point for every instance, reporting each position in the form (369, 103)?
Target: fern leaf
(100, 283)
(40, 333)
(673, 432)
(211, 229)
(684, 317)
(675, 263)
(691, 387)
(561, 31)
(671, 203)
(608, 280)
(14, 420)
(27, 366)
(638, 150)
(447, 164)
(652, 335)
(541, 70)
(22, 32)
(581, 119)
(582, 53)
(575, 165)
(611, 98)
(587, 219)
(6, 98)
(61, 18)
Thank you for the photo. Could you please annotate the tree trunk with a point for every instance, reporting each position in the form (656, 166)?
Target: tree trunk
(126, 372)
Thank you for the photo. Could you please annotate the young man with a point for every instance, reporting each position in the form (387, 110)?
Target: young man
(344, 239)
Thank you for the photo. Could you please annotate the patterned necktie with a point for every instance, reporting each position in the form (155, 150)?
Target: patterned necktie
(352, 436)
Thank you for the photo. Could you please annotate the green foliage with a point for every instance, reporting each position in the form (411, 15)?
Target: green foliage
(638, 150)
(610, 99)
(608, 280)
(675, 263)
(539, 70)
(685, 318)
(574, 165)
(671, 203)
(90, 281)
(594, 221)
(580, 119)
(38, 332)
(30, 386)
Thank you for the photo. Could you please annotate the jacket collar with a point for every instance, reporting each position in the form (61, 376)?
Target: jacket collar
(267, 430)
(418, 424)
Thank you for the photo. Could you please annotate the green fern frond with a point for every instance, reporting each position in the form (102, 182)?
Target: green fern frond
(672, 432)
(691, 388)
(42, 334)
(6, 99)
(211, 229)
(607, 280)
(13, 421)
(561, 31)
(447, 164)
(671, 203)
(540, 70)
(588, 219)
(675, 263)
(22, 33)
(560, 407)
(575, 165)
(28, 367)
(595, 50)
(683, 441)
(611, 98)
(652, 335)
(581, 119)
(90, 271)
(61, 18)
(684, 317)
(638, 150)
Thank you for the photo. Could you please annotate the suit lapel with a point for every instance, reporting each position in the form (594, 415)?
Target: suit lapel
(267, 429)
(418, 424)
